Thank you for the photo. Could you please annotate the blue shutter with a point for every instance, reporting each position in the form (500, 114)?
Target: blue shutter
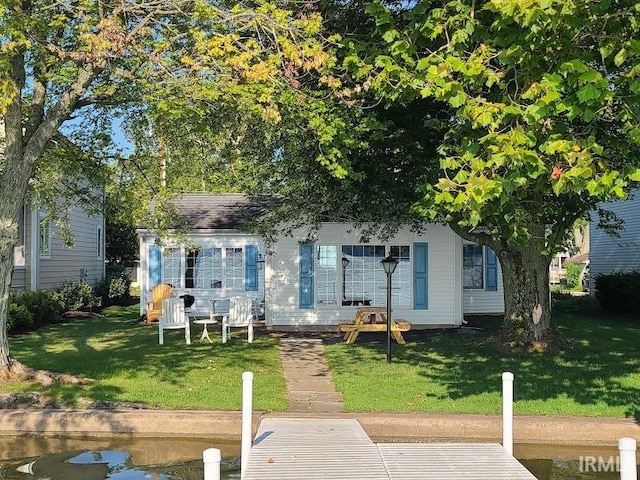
(491, 270)
(420, 276)
(306, 275)
(251, 268)
(155, 266)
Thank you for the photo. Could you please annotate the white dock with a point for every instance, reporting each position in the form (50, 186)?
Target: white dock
(299, 448)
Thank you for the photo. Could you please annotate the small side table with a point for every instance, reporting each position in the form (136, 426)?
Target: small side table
(205, 332)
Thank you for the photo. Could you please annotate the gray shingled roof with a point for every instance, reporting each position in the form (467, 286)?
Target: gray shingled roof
(218, 211)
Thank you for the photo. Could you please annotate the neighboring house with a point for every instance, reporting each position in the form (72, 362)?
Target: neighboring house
(609, 254)
(316, 284)
(42, 261)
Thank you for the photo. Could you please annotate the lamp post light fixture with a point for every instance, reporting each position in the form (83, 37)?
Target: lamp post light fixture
(389, 264)
(345, 264)
(260, 262)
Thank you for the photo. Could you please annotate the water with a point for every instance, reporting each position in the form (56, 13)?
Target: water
(113, 458)
(181, 459)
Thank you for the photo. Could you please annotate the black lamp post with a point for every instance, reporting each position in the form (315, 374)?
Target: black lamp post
(389, 264)
(261, 262)
(345, 264)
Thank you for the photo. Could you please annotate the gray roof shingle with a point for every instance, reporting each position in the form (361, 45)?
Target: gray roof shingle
(218, 211)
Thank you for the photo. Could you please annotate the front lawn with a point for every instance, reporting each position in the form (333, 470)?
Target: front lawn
(456, 372)
(128, 365)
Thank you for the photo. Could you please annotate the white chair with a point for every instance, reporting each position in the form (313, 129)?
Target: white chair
(173, 316)
(240, 315)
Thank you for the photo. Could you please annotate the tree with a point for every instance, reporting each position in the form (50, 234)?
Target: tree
(543, 100)
(62, 61)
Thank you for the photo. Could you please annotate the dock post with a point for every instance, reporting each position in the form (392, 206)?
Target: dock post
(628, 468)
(247, 420)
(211, 458)
(507, 412)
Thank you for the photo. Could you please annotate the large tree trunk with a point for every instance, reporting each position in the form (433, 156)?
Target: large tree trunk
(527, 319)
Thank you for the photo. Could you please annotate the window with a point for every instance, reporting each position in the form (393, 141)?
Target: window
(99, 241)
(214, 268)
(364, 278)
(171, 271)
(234, 272)
(44, 232)
(327, 275)
(473, 266)
(401, 278)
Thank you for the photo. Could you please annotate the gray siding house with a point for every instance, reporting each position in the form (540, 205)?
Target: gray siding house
(608, 254)
(314, 284)
(42, 261)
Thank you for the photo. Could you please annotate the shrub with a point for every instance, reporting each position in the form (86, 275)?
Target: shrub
(43, 306)
(619, 292)
(567, 303)
(114, 290)
(19, 318)
(73, 295)
(573, 274)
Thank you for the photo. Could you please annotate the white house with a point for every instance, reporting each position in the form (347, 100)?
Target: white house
(609, 254)
(315, 283)
(42, 261)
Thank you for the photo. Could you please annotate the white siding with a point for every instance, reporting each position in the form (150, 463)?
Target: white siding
(484, 302)
(444, 279)
(609, 254)
(203, 296)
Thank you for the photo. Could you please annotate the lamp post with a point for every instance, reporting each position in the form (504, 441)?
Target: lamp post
(389, 264)
(345, 264)
(261, 261)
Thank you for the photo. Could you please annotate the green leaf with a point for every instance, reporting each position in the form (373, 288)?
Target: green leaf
(620, 57)
(588, 93)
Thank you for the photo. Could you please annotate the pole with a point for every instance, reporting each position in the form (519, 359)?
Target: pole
(247, 406)
(628, 468)
(388, 317)
(507, 412)
(211, 458)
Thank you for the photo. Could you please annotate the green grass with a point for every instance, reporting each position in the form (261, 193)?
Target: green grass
(454, 372)
(436, 371)
(127, 364)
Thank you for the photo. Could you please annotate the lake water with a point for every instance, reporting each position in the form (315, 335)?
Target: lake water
(181, 459)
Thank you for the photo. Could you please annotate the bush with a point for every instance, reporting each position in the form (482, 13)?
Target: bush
(562, 301)
(573, 274)
(619, 292)
(43, 306)
(73, 295)
(114, 289)
(19, 318)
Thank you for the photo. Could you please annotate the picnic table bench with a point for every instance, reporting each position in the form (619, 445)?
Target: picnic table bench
(366, 320)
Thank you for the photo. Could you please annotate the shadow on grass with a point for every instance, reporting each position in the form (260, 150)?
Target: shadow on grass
(118, 353)
(603, 368)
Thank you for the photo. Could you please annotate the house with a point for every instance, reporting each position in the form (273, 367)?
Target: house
(609, 254)
(42, 261)
(316, 283)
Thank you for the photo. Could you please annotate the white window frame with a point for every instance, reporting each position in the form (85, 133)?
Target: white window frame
(465, 286)
(42, 219)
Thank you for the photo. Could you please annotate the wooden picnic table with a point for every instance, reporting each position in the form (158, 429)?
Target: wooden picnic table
(373, 319)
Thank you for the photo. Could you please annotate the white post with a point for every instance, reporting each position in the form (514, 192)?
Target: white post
(628, 467)
(247, 423)
(507, 412)
(211, 458)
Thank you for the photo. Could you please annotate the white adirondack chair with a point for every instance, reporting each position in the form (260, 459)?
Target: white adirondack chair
(240, 314)
(173, 316)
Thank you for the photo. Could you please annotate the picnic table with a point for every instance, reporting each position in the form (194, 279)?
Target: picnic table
(373, 319)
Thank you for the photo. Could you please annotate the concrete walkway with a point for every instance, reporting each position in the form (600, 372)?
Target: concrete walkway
(309, 382)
